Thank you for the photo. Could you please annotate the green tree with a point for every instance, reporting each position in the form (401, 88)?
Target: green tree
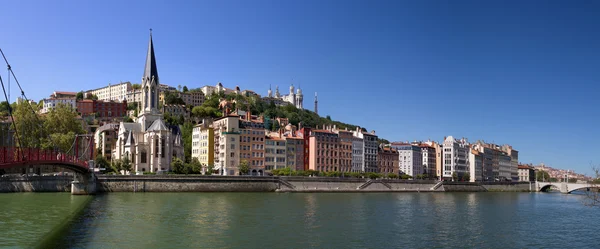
(542, 176)
(392, 176)
(117, 165)
(177, 166)
(4, 108)
(209, 169)
(136, 86)
(382, 141)
(195, 166)
(205, 111)
(132, 106)
(79, 96)
(62, 125)
(466, 177)
(244, 168)
(186, 135)
(92, 97)
(126, 165)
(454, 176)
(185, 89)
(101, 162)
(29, 126)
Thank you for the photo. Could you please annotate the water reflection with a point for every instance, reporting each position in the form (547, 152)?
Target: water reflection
(334, 220)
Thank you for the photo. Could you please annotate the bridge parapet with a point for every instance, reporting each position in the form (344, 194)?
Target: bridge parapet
(564, 187)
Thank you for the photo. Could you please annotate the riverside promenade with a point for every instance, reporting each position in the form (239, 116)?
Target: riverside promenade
(197, 183)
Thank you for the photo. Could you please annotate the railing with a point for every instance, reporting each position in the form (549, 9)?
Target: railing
(14, 155)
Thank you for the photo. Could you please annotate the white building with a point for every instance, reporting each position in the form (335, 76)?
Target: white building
(203, 144)
(429, 158)
(117, 92)
(455, 158)
(410, 159)
(293, 98)
(148, 143)
(475, 165)
(209, 90)
(51, 103)
(134, 96)
(370, 150)
(505, 170)
(275, 153)
(357, 154)
(227, 144)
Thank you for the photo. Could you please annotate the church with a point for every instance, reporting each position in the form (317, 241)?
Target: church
(294, 98)
(148, 142)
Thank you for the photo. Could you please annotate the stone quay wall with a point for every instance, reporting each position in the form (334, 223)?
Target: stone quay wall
(197, 183)
(183, 183)
(332, 184)
(36, 184)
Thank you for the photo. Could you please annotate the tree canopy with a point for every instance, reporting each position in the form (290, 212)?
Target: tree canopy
(55, 129)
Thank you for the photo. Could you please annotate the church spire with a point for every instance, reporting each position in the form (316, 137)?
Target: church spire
(150, 68)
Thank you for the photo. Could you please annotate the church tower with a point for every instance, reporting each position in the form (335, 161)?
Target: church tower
(150, 82)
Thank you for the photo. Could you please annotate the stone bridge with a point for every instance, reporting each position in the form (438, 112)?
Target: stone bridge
(564, 187)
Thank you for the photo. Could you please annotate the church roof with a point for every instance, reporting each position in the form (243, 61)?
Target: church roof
(150, 68)
(131, 126)
(130, 140)
(158, 125)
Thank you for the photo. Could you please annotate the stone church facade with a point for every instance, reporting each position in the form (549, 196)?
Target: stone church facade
(148, 142)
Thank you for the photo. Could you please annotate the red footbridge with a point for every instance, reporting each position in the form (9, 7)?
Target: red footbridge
(11, 157)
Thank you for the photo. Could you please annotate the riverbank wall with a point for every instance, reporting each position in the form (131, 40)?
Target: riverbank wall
(197, 183)
(185, 183)
(36, 184)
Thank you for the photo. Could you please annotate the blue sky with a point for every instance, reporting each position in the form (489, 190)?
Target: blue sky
(524, 73)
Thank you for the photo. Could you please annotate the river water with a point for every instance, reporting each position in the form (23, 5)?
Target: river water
(300, 220)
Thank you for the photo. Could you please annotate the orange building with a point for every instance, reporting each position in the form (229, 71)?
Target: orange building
(345, 150)
(252, 142)
(324, 154)
(387, 160)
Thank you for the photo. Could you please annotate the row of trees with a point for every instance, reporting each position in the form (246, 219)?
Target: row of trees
(178, 166)
(54, 130)
(116, 166)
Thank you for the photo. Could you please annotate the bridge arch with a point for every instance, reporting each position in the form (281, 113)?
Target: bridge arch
(585, 188)
(546, 187)
(67, 165)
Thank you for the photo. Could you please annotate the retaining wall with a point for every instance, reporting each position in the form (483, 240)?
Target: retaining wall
(177, 183)
(182, 183)
(509, 187)
(331, 184)
(36, 184)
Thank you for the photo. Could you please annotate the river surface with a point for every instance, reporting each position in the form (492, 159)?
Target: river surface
(300, 220)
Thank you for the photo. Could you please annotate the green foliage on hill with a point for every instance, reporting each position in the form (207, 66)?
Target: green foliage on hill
(210, 108)
(171, 98)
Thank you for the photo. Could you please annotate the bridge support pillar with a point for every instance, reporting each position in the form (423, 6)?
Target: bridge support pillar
(564, 188)
(83, 184)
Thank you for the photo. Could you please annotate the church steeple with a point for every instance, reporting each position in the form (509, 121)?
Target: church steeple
(150, 82)
(150, 68)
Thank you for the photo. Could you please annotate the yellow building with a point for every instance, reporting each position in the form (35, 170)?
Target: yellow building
(203, 144)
